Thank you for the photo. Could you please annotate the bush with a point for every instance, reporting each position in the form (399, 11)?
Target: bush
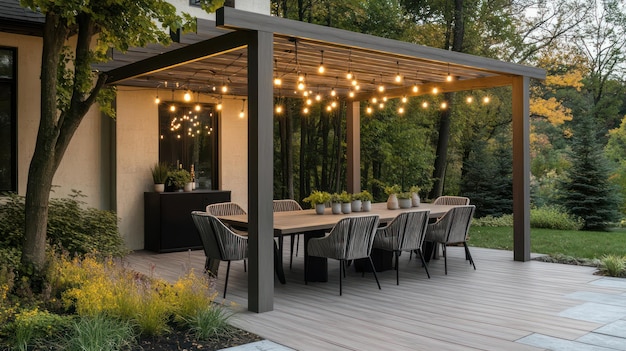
(549, 217)
(613, 265)
(553, 217)
(34, 328)
(70, 227)
(99, 333)
(211, 322)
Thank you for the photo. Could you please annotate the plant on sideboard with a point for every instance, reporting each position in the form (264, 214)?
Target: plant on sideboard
(159, 172)
(179, 178)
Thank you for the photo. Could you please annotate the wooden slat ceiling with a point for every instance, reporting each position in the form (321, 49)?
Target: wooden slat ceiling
(292, 56)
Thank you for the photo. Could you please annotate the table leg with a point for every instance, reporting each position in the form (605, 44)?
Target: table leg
(315, 268)
(278, 261)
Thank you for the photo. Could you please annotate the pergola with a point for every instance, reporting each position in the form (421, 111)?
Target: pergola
(246, 51)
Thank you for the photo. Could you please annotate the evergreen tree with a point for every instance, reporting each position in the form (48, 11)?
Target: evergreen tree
(587, 192)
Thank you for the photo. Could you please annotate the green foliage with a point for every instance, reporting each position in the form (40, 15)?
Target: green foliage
(344, 197)
(210, 322)
(317, 197)
(587, 192)
(613, 265)
(100, 333)
(553, 217)
(393, 189)
(491, 221)
(335, 197)
(179, 177)
(32, 328)
(363, 196)
(160, 172)
(70, 227)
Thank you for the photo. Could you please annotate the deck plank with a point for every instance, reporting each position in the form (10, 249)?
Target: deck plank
(484, 309)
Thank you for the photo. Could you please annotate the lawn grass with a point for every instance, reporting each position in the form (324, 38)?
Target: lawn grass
(579, 244)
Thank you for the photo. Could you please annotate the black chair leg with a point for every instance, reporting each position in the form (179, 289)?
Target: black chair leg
(423, 262)
(340, 269)
(445, 258)
(245, 268)
(374, 271)
(226, 281)
(293, 236)
(469, 255)
(397, 268)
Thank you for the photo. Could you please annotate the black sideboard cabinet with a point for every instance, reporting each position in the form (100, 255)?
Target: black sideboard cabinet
(168, 226)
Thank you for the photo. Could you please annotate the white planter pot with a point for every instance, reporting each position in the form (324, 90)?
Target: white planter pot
(356, 205)
(188, 187)
(392, 202)
(415, 199)
(159, 188)
(336, 207)
(319, 209)
(404, 203)
(346, 207)
(367, 206)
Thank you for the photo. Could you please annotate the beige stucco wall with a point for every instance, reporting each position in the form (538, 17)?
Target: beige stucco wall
(234, 151)
(80, 168)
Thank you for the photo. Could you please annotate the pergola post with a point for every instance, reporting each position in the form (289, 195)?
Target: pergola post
(521, 168)
(353, 154)
(260, 173)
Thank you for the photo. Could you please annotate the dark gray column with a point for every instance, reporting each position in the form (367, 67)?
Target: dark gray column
(260, 173)
(353, 126)
(521, 168)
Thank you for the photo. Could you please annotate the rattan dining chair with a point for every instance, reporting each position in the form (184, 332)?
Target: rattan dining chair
(227, 209)
(219, 242)
(350, 239)
(452, 200)
(284, 206)
(405, 233)
(452, 228)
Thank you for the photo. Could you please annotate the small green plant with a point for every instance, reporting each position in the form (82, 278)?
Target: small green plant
(335, 198)
(393, 189)
(160, 172)
(553, 217)
(414, 189)
(35, 328)
(404, 195)
(100, 333)
(363, 196)
(613, 265)
(211, 322)
(317, 197)
(344, 197)
(179, 178)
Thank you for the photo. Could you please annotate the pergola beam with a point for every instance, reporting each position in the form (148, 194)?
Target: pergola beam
(171, 59)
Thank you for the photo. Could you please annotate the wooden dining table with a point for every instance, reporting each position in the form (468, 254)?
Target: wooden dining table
(313, 225)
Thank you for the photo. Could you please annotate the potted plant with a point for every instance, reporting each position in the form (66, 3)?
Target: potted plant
(335, 203)
(404, 199)
(346, 199)
(318, 200)
(392, 200)
(159, 176)
(415, 196)
(179, 178)
(365, 199)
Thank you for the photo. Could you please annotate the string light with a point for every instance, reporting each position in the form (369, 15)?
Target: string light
(404, 99)
(157, 100)
(398, 76)
(349, 75)
(187, 96)
(401, 110)
(415, 88)
(197, 108)
(351, 93)
(219, 104)
(368, 109)
(449, 77)
(486, 99)
(241, 113)
(469, 99)
(381, 86)
(277, 80)
(435, 90)
(425, 104)
(444, 105)
(305, 110)
(321, 68)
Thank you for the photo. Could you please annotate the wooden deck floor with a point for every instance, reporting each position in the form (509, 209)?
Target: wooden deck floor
(486, 309)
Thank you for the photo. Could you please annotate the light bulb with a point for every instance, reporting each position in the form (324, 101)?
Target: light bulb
(219, 106)
(384, 98)
(300, 78)
(309, 102)
(401, 110)
(351, 94)
(321, 68)
(415, 89)
(425, 104)
(398, 78)
(435, 90)
(157, 100)
(224, 88)
(197, 108)
(381, 88)
(404, 99)
(333, 104)
(279, 109)
(241, 114)
(374, 100)
(318, 97)
(305, 110)
(333, 92)
(301, 86)
(172, 108)
(486, 99)
(354, 82)
(381, 106)
(470, 99)
(349, 75)
(368, 110)
(449, 78)
(329, 108)
(278, 81)
(444, 105)
(187, 96)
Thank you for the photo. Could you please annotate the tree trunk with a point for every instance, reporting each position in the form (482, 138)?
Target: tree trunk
(441, 159)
